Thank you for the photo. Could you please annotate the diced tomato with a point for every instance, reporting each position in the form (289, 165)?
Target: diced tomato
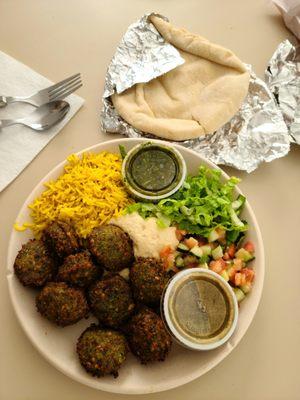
(217, 265)
(191, 242)
(169, 262)
(231, 250)
(238, 264)
(243, 279)
(226, 256)
(231, 273)
(249, 246)
(249, 274)
(238, 279)
(165, 251)
(180, 233)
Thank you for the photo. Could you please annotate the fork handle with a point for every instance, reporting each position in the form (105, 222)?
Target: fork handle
(7, 122)
(4, 100)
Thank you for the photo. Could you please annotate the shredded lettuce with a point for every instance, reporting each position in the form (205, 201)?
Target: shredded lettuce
(202, 204)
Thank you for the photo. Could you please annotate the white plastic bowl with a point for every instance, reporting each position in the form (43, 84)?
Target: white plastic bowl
(184, 341)
(57, 344)
(144, 197)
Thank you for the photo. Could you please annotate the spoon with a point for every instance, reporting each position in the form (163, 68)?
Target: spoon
(41, 118)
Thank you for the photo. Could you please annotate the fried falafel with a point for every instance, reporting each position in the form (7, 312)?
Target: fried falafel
(102, 351)
(111, 247)
(147, 336)
(34, 265)
(148, 280)
(111, 301)
(78, 270)
(61, 238)
(61, 304)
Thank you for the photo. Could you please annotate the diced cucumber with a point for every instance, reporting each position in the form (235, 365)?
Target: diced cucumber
(179, 262)
(244, 255)
(224, 275)
(197, 251)
(239, 294)
(190, 261)
(203, 265)
(125, 274)
(182, 247)
(235, 219)
(238, 203)
(206, 250)
(213, 235)
(246, 288)
(204, 259)
(217, 253)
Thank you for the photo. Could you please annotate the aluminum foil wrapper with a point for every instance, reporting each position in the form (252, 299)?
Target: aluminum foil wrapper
(255, 134)
(283, 79)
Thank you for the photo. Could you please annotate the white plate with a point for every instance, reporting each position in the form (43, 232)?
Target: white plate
(57, 344)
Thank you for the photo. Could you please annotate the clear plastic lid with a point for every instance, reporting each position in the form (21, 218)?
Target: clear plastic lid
(200, 309)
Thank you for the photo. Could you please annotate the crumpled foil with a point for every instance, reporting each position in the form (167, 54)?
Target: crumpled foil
(255, 134)
(142, 55)
(283, 78)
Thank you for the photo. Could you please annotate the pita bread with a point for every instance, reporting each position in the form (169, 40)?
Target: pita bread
(193, 99)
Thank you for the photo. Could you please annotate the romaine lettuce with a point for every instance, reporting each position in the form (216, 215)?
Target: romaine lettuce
(202, 204)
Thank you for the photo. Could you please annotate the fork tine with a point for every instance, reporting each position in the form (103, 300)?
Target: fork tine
(66, 93)
(57, 92)
(59, 84)
(64, 85)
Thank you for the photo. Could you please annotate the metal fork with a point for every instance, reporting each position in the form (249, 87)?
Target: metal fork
(57, 91)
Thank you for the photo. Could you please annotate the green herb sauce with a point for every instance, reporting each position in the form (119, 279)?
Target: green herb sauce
(153, 169)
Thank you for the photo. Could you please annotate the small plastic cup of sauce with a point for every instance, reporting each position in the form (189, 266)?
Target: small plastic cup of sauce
(152, 171)
(199, 308)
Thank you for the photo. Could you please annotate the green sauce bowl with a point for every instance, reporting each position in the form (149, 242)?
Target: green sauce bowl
(153, 171)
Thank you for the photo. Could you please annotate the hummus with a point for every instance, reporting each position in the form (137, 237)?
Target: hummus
(148, 239)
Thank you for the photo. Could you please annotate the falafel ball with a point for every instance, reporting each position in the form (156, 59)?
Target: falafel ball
(148, 280)
(78, 270)
(61, 304)
(33, 265)
(111, 247)
(111, 301)
(61, 238)
(147, 336)
(102, 351)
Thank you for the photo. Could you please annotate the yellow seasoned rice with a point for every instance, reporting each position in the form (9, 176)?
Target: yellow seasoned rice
(89, 193)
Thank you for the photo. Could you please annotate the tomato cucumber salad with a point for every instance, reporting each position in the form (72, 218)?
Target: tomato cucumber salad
(210, 228)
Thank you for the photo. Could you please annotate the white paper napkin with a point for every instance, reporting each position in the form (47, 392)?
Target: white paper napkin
(290, 11)
(19, 144)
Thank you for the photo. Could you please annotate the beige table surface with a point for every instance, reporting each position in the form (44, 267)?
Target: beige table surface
(60, 37)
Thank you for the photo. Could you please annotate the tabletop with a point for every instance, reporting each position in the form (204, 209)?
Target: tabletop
(58, 38)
